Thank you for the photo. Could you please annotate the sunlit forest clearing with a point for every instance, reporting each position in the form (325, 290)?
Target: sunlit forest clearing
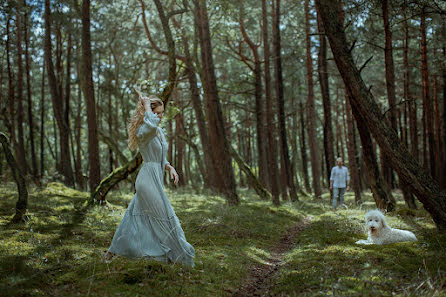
(223, 148)
(58, 251)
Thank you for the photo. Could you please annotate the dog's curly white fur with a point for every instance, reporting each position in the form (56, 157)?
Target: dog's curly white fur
(380, 233)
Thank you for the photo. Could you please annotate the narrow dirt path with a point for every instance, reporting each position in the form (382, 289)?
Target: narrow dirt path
(261, 276)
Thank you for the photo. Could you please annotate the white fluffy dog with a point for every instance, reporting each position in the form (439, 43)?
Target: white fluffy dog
(380, 233)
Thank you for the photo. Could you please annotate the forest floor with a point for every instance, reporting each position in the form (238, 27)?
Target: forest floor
(257, 249)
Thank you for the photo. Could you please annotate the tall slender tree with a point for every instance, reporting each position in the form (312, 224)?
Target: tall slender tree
(322, 69)
(20, 151)
(88, 90)
(28, 92)
(58, 104)
(311, 118)
(277, 58)
(259, 104)
(270, 111)
(224, 173)
(427, 100)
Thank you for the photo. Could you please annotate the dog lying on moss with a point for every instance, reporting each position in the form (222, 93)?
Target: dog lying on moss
(380, 233)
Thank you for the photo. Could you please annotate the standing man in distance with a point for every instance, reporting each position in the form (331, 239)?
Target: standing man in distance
(339, 182)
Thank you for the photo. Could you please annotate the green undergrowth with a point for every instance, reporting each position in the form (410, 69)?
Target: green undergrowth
(58, 251)
(325, 260)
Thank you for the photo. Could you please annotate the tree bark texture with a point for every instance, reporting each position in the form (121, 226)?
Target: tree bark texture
(303, 148)
(351, 150)
(224, 173)
(11, 93)
(325, 92)
(364, 106)
(250, 176)
(208, 172)
(259, 105)
(88, 90)
(311, 118)
(427, 100)
(390, 87)
(20, 149)
(277, 58)
(117, 175)
(270, 111)
(28, 93)
(58, 104)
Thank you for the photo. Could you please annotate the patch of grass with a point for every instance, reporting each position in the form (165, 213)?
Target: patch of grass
(326, 261)
(58, 251)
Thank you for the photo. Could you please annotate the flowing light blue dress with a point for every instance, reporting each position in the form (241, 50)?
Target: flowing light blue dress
(150, 227)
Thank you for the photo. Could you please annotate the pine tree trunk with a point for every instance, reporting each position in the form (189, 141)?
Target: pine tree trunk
(208, 178)
(42, 122)
(88, 90)
(444, 109)
(364, 107)
(380, 189)
(284, 151)
(325, 92)
(270, 112)
(77, 128)
(58, 103)
(351, 149)
(28, 92)
(390, 87)
(11, 94)
(179, 143)
(303, 148)
(438, 154)
(427, 102)
(311, 120)
(259, 107)
(408, 196)
(224, 173)
(20, 149)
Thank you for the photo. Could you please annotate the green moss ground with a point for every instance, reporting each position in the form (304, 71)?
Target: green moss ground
(58, 251)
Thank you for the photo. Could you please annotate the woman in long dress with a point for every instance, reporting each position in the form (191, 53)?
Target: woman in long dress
(150, 227)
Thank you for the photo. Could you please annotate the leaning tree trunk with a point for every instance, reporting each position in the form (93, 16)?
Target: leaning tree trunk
(88, 89)
(250, 176)
(364, 106)
(380, 189)
(220, 151)
(114, 177)
(20, 207)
